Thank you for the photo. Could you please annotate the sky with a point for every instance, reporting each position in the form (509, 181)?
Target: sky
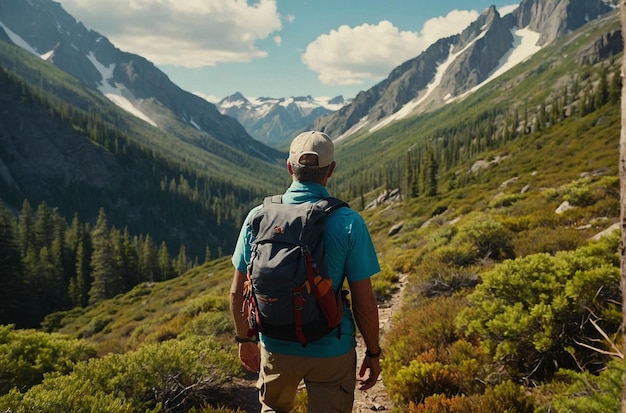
(278, 48)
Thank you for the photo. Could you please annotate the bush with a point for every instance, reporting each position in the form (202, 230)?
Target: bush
(533, 310)
(548, 240)
(26, 356)
(425, 356)
(591, 393)
(503, 398)
(171, 376)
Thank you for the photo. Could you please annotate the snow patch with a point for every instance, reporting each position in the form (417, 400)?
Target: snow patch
(408, 108)
(524, 46)
(18, 41)
(116, 93)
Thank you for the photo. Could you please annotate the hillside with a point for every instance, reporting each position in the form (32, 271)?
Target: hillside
(542, 91)
(457, 65)
(57, 149)
(509, 302)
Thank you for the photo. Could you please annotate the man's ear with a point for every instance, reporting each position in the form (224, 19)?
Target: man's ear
(332, 168)
(289, 167)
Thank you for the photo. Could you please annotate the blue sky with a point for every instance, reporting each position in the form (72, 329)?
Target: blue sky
(278, 48)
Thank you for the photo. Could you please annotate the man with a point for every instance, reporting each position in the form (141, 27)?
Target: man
(328, 365)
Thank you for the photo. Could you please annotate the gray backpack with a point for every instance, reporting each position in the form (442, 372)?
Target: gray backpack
(288, 294)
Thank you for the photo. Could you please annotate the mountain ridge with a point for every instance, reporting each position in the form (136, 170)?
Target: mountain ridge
(489, 39)
(275, 121)
(125, 78)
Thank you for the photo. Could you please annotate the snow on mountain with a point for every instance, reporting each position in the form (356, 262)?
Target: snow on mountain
(525, 45)
(274, 121)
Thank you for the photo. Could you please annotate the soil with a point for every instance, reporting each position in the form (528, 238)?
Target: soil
(243, 393)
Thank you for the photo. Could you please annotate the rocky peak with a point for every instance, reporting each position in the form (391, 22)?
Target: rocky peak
(555, 18)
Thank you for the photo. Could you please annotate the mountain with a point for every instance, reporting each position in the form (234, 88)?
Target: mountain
(494, 226)
(454, 66)
(509, 300)
(84, 126)
(45, 29)
(275, 121)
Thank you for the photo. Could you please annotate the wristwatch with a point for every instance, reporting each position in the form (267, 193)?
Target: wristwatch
(374, 355)
(245, 340)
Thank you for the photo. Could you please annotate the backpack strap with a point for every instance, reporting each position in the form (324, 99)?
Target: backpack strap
(330, 204)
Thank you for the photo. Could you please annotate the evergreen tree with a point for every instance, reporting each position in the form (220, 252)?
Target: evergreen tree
(181, 264)
(602, 92)
(148, 261)
(44, 227)
(615, 87)
(26, 228)
(429, 171)
(78, 289)
(411, 178)
(102, 261)
(166, 269)
(132, 273)
(13, 292)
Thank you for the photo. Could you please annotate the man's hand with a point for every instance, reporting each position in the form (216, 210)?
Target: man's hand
(373, 365)
(250, 356)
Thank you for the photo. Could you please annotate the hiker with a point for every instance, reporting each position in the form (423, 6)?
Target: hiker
(328, 365)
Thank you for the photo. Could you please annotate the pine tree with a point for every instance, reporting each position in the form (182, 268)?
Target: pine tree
(181, 264)
(44, 227)
(207, 254)
(148, 261)
(166, 269)
(429, 171)
(615, 87)
(13, 293)
(132, 273)
(102, 261)
(26, 228)
(78, 289)
(601, 96)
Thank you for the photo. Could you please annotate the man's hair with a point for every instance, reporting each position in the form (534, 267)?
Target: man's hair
(309, 173)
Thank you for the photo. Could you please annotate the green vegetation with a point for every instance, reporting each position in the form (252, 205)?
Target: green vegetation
(191, 188)
(511, 306)
(161, 347)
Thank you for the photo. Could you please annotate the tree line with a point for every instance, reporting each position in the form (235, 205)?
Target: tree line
(49, 265)
(420, 169)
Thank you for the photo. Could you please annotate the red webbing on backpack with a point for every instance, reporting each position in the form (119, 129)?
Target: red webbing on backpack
(298, 305)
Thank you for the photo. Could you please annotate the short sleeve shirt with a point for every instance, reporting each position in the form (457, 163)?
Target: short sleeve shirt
(350, 252)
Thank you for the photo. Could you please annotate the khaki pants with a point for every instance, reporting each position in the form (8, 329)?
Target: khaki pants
(330, 382)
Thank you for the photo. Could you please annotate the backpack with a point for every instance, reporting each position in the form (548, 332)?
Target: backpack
(288, 294)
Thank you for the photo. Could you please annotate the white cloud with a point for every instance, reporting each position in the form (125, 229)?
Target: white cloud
(189, 33)
(355, 55)
(504, 10)
(454, 22)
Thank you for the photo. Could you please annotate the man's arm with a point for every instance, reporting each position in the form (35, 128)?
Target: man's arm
(365, 309)
(249, 352)
(236, 304)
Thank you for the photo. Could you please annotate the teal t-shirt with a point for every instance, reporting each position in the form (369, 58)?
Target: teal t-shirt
(349, 251)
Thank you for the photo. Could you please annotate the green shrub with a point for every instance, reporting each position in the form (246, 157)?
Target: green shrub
(27, 355)
(548, 240)
(490, 237)
(425, 356)
(173, 375)
(503, 398)
(586, 393)
(535, 310)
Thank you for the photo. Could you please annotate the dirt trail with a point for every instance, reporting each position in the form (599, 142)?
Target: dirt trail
(376, 398)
